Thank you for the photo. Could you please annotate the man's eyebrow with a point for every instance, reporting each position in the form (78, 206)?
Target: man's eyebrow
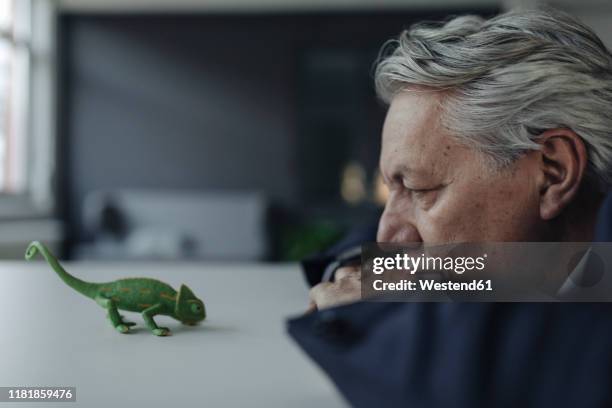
(405, 169)
(401, 170)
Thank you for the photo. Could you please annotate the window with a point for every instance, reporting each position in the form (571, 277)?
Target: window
(15, 49)
(27, 116)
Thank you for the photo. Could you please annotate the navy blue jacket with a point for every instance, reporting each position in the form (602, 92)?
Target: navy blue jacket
(462, 354)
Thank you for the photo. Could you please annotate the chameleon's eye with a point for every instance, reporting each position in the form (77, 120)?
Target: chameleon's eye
(195, 308)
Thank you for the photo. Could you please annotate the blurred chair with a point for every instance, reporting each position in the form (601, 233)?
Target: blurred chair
(171, 225)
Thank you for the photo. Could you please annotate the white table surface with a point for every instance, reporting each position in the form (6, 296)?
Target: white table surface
(240, 356)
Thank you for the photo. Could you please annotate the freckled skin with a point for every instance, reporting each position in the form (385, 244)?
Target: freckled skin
(467, 201)
(531, 200)
(444, 192)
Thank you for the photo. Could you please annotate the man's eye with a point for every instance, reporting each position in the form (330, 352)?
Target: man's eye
(418, 191)
(423, 194)
(422, 190)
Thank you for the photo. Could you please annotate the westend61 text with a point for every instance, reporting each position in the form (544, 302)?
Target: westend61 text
(433, 285)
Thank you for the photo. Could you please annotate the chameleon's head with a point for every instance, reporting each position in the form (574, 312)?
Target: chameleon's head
(189, 309)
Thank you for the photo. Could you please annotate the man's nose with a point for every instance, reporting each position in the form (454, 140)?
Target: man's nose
(394, 228)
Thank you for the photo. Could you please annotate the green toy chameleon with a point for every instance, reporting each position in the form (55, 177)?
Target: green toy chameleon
(147, 296)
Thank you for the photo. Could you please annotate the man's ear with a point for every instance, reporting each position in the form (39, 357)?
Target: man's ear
(563, 164)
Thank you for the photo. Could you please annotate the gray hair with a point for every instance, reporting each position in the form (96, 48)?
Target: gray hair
(507, 79)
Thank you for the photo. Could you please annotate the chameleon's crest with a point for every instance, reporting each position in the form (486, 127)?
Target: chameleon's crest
(185, 293)
(189, 309)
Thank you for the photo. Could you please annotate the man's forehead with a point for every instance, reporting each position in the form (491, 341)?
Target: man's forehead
(413, 140)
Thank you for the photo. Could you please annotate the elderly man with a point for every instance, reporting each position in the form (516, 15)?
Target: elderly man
(497, 130)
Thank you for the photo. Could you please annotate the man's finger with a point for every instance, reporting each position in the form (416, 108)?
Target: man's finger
(318, 290)
(328, 294)
(347, 271)
(312, 307)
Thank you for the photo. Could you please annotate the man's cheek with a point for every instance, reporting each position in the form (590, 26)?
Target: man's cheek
(451, 223)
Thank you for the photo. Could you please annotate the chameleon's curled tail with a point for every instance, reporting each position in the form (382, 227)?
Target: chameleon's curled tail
(86, 288)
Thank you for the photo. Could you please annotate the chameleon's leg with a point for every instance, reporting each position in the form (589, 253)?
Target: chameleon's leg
(123, 321)
(113, 314)
(148, 314)
(126, 322)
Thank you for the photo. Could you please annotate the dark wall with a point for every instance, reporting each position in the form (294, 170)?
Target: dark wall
(276, 103)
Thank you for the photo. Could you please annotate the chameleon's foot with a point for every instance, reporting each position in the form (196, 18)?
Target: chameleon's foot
(162, 331)
(122, 328)
(124, 322)
(127, 322)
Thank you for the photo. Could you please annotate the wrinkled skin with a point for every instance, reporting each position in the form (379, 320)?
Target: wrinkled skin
(442, 191)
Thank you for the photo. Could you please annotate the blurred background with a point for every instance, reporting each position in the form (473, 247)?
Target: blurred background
(199, 129)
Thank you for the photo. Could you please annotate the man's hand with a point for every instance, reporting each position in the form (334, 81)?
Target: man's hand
(345, 289)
